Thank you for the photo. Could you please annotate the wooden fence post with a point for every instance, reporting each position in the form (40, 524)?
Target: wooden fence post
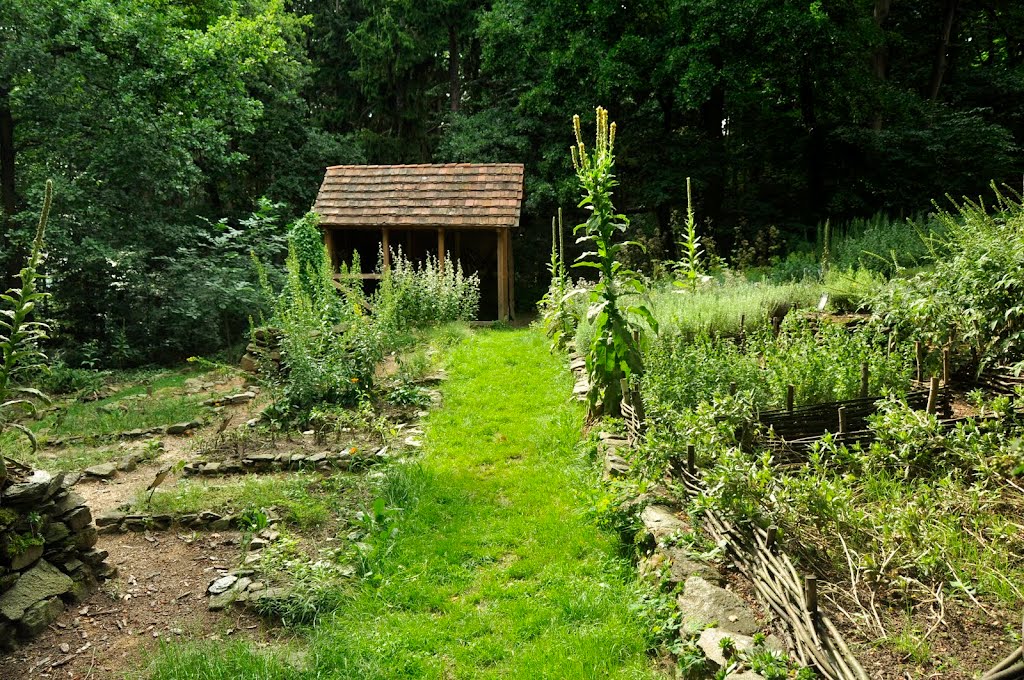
(865, 375)
(933, 394)
(691, 459)
(811, 594)
(919, 359)
(842, 420)
(790, 397)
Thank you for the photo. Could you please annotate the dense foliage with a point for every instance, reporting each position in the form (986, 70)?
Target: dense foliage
(331, 338)
(415, 295)
(164, 123)
(971, 297)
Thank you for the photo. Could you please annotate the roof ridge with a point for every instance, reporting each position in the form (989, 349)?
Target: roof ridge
(426, 165)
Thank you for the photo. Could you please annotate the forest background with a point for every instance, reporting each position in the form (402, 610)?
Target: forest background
(183, 136)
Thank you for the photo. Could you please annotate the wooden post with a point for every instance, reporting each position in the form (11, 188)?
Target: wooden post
(811, 594)
(502, 274)
(691, 459)
(945, 367)
(773, 536)
(385, 244)
(933, 394)
(842, 420)
(440, 249)
(511, 275)
(790, 397)
(865, 374)
(919, 359)
(732, 388)
(776, 326)
(329, 244)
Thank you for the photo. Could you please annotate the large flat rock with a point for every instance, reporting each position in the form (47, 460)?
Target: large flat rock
(703, 605)
(38, 583)
(662, 523)
(38, 487)
(681, 567)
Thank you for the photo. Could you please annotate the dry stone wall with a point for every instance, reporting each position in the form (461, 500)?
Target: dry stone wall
(48, 557)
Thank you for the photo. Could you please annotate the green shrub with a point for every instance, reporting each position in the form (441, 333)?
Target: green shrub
(328, 349)
(415, 295)
(974, 293)
(822, 362)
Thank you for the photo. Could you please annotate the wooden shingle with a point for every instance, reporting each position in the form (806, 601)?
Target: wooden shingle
(459, 196)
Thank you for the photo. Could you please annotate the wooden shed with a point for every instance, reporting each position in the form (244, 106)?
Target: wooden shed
(467, 211)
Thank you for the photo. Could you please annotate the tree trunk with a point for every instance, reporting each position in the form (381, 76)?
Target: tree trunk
(8, 189)
(942, 54)
(8, 196)
(880, 56)
(454, 81)
(712, 120)
(815, 151)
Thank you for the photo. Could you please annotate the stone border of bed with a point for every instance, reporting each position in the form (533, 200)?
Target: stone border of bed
(346, 459)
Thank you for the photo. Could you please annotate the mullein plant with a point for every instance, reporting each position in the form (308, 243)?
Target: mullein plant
(690, 246)
(614, 353)
(559, 323)
(19, 341)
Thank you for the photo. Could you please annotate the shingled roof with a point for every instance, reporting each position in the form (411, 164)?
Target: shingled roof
(460, 196)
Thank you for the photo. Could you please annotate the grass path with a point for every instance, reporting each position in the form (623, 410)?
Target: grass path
(494, 571)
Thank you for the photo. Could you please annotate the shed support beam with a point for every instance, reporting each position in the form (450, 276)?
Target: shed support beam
(329, 244)
(440, 248)
(503, 309)
(385, 244)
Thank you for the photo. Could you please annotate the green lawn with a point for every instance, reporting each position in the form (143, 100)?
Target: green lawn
(494, 571)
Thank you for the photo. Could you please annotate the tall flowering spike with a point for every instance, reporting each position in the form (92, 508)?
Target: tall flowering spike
(575, 160)
(576, 128)
(611, 139)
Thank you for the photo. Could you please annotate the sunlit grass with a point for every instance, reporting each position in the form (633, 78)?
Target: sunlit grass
(487, 567)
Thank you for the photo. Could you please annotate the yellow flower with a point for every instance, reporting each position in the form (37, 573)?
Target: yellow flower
(353, 380)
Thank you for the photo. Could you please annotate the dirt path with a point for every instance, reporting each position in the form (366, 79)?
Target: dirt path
(158, 594)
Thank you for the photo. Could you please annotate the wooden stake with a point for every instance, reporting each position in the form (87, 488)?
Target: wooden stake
(919, 359)
(790, 397)
(865, 375)
(691, 459)
(811, 594)
(842, 420)
(775, 326)
(732, 388)
(773, 535)
(933, 394)
(945, 367)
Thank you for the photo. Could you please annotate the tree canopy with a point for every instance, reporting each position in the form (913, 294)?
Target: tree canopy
(182, 135)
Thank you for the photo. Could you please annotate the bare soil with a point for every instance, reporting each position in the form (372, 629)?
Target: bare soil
(159, 591)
